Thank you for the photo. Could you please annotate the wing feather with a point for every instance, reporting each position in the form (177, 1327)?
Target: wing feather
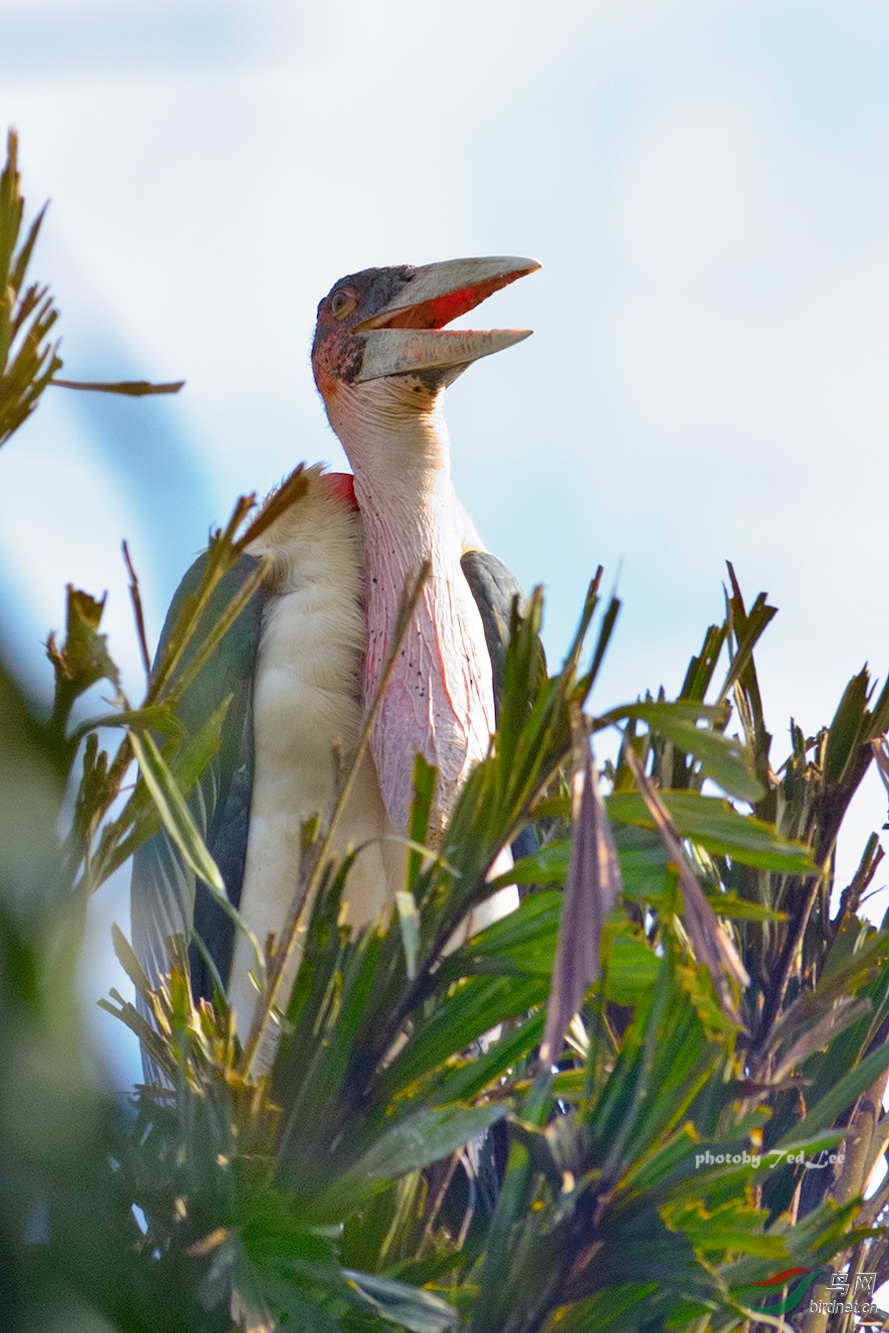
(494, 588)
(164, 898)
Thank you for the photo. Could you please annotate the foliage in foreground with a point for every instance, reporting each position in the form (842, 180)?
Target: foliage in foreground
(411, 1162)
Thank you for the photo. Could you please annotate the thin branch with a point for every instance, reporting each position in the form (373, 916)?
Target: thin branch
(136, 599)
(710, 942)
(184, 630)
(129, 388)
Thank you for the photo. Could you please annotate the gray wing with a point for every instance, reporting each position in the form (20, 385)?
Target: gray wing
(495, 588)
(164, 898)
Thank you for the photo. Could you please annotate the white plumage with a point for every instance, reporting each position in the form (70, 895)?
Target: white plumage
(307, 716)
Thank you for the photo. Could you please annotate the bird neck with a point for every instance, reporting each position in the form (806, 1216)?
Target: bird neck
(395, 436)
(438, 699)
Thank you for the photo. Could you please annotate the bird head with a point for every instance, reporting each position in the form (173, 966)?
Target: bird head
(387, 324)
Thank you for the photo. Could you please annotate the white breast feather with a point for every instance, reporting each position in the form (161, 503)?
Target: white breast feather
(307, 718)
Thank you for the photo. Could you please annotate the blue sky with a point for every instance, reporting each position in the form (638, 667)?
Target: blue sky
(706, 185)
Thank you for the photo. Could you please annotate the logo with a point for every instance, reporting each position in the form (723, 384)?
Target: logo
(799, 1281)
(806, 1277)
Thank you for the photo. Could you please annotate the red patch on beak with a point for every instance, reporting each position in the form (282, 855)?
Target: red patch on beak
(455, 304)
(440, 310)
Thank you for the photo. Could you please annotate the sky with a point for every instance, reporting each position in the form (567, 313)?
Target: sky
(706, 185)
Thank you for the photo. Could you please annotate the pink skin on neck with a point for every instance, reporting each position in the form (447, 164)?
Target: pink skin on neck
(439, 698)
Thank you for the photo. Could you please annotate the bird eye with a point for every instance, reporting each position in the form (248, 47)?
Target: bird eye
(343, 302)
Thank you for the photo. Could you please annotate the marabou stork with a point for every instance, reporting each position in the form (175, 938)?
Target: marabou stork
(305, 656)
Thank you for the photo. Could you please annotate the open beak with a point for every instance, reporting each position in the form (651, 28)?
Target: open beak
(408, 335)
